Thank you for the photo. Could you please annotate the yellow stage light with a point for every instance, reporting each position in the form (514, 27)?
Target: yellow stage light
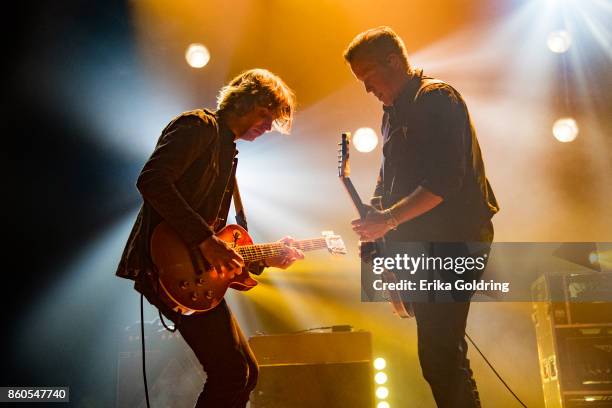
(197, 55)
(380, 378)
(383, 404)
(365, 139)
(382, 392)
(565, 130)
(380, 363)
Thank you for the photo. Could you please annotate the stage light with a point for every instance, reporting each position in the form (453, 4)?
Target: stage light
(380, 363)
(585, 254)
(380, 378)
(197, 55)
(559, 41)
(365, 139)
(565, 130)
(382, 392)
(383, 404)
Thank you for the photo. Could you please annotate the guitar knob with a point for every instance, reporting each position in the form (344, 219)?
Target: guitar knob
(184, 285)
(199, 282)
(209, 294)
(194, 296)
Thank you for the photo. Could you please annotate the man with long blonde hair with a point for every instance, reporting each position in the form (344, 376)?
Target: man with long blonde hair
(184, 183)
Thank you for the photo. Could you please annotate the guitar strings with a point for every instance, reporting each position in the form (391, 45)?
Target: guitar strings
(255, 252)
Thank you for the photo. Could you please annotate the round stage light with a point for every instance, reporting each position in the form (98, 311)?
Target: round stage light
(365, 139)
(197, 55)
(565, 130)
(383, 404)
(559, 41)
(380, 363)
(382, 392)
(380, 378)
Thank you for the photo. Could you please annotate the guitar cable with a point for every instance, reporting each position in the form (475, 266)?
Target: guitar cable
(142, 338)
(494, 370)
(142, 342)
(161, 318)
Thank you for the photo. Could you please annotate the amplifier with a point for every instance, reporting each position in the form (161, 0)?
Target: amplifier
(575, 298)
(574, 337)
(332, 370)
(589, 358)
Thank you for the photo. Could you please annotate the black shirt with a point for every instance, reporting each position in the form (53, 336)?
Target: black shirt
(429, 141)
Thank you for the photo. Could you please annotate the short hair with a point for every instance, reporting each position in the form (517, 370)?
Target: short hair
(378, 42)
(259, 87)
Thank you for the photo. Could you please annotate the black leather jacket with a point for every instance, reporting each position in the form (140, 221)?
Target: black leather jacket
(183, 183)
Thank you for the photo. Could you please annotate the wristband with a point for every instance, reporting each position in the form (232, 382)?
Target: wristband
(390, 219)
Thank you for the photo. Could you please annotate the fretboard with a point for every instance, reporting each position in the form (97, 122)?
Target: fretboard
(258, 252)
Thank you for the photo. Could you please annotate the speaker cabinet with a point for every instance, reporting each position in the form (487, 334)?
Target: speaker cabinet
(332, 370)
(574, 338)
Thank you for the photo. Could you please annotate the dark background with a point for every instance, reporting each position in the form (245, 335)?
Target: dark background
(59, 187)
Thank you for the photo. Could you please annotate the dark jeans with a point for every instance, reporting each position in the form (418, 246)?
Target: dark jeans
(443, 353)
(221, 348)
(441, 334)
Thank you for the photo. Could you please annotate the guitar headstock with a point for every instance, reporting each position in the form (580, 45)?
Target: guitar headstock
(344, 169)
(335, 244)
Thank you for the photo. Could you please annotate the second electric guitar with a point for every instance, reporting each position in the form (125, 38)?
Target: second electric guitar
(402, 309)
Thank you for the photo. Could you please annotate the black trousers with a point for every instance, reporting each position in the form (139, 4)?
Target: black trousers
(221, 348)
(441, 323)
(443, 353)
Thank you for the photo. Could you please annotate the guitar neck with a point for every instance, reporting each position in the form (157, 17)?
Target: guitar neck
(258, 252)
(350, 188)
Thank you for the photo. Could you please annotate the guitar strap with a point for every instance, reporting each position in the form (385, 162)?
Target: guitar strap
(240, 215)
(232, 191)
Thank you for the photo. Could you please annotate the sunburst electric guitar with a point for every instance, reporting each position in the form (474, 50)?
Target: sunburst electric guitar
(403, 310)
(189, 285)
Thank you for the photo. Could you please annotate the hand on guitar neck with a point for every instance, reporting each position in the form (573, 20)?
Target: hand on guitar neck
(377, 221)
(290, 255)
(370, 229)
(375, 225)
